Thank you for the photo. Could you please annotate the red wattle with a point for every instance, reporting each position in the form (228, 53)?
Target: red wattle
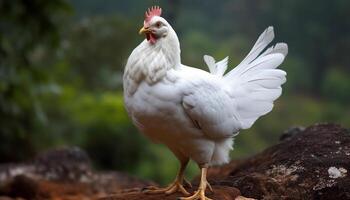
(151, 38)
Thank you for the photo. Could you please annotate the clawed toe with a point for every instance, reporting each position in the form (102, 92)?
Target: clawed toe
(154, 190)
(187, 183)
(198, 195)
(172, 188)
(177, 187)
(151, 187)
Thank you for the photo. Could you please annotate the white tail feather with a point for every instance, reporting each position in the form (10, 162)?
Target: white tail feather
(218, 68)
(255, 83)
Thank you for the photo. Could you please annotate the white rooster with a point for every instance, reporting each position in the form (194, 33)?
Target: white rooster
(196, 114)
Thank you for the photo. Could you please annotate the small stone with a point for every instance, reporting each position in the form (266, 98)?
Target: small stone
(336, 173)
(343, 171)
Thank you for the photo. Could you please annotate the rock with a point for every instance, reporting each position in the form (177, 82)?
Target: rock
(63, 173)
(296, 168)
(63, 164)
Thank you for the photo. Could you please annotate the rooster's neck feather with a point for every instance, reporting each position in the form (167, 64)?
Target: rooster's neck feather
(150, 62)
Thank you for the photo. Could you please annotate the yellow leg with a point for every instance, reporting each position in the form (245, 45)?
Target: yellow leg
(176, 186)
(200, 193)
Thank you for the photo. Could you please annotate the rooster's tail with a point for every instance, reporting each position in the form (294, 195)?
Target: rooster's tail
(255, 83)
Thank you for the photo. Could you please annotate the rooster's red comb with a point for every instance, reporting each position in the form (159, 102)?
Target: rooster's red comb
(151, 12)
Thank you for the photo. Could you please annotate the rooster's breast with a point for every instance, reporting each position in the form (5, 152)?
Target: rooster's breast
(156, 110)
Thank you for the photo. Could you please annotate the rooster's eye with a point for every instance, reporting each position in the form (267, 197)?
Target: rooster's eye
(158, 24)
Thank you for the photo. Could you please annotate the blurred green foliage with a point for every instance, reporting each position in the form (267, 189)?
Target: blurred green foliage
(61, 65)
(27, 28)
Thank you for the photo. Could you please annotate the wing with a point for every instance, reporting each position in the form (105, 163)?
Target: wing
(255, 83)
(210, 108)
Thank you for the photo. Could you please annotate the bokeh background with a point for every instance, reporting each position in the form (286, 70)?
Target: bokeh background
(61, 65)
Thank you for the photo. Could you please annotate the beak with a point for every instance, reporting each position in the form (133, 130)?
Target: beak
(144, 30)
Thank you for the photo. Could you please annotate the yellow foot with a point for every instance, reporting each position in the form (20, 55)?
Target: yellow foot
(172, 188)
(198, 195)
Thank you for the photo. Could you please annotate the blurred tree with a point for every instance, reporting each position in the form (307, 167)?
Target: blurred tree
(97, 49)
(27, 29)
(172, 13)
(319, 33)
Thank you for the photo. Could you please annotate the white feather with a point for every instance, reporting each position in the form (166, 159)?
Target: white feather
(218, 68)
(210, 61)
(255, 83)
